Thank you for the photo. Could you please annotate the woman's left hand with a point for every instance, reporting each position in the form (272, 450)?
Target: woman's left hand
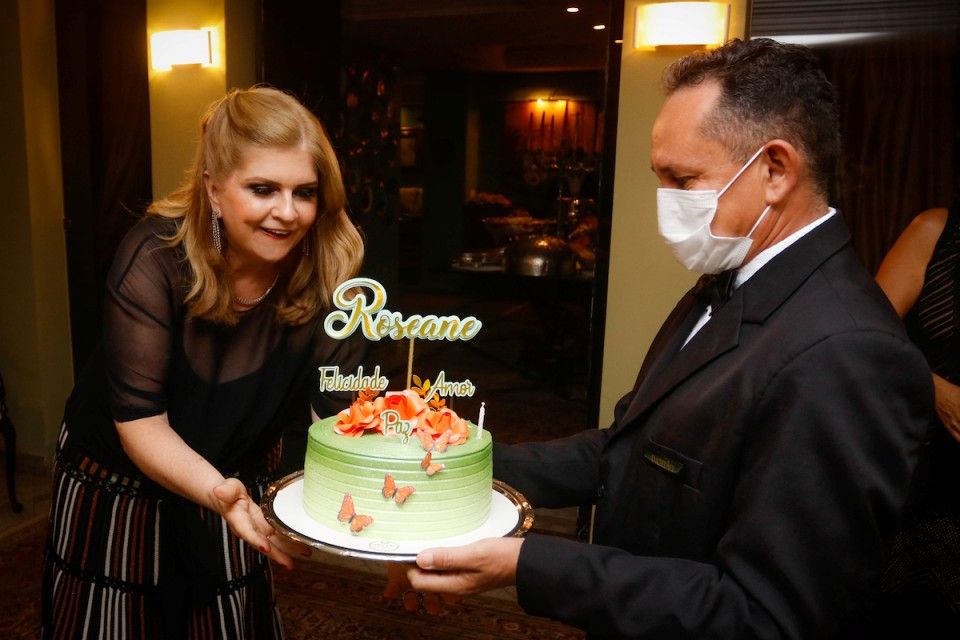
(246, 520)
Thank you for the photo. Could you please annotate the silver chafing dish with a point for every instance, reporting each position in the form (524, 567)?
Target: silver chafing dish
(540, 256)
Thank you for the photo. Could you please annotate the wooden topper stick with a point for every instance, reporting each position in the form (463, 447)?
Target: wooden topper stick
(410, 363)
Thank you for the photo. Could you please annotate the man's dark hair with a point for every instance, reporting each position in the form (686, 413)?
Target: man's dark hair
(768, 90)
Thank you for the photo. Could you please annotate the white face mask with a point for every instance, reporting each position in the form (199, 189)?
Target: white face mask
(684, 218)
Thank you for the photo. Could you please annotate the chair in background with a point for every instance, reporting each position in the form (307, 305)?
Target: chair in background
(10, 443)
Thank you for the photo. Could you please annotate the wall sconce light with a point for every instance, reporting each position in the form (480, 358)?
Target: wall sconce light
(681, 23)
(184, 46)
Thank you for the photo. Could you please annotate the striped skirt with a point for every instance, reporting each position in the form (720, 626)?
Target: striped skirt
(122, 562)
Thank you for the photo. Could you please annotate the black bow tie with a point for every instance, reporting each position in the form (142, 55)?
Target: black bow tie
(716, 289)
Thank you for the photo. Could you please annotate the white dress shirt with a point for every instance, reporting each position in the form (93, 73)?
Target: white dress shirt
(746, 271)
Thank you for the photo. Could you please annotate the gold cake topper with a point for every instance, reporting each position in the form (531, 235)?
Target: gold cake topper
(376, 322)
(366, 310)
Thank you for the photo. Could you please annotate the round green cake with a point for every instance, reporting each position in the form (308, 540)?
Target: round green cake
(453, 501)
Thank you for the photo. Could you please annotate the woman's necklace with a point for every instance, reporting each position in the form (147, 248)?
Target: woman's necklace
(252, 302)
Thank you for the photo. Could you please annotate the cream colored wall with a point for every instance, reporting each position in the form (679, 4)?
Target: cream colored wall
(645, 281)
(179, 97)
(35, 351)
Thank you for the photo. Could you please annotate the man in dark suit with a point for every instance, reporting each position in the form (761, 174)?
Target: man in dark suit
(750, 478)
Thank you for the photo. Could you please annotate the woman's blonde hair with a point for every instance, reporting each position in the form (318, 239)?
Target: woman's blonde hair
(332, 248)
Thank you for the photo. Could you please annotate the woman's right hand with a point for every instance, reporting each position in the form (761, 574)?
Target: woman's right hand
(948, 405)
(165, 458)
(245, 519)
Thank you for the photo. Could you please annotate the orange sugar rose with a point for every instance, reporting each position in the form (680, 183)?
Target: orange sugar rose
(362, 416)
(437, 422)
(407, 403)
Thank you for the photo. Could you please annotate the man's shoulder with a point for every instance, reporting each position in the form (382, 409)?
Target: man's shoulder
(838, 298)
(851, 296)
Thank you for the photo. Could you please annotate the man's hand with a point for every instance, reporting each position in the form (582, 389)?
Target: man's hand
(467, 570)
(948, 405)
(246, 520)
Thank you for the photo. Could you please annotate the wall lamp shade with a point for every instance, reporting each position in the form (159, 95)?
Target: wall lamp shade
(681, 23)
(183, 46)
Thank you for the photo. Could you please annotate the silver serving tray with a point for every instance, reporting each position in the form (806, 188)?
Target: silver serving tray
(510, 516)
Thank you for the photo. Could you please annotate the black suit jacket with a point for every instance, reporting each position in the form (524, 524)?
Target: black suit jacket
(750, 478)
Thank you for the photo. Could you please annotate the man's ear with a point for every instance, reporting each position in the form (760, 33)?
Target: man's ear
(212, 191)
(782, 167)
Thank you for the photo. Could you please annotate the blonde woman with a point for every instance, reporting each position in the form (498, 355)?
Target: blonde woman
(213, 321)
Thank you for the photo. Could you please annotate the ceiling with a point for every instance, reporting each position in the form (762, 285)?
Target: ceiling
(481, 35)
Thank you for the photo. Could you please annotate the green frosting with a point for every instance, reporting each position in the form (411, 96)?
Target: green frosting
(451, 502)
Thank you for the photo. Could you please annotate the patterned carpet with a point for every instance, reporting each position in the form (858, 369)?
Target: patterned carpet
(21, 563)
(320, 601)
(316, 601)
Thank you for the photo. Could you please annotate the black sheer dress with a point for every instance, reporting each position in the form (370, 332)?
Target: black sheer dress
(123, 553)
(922, 582)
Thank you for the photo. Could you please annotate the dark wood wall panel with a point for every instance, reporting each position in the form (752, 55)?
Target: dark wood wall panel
(105, 144)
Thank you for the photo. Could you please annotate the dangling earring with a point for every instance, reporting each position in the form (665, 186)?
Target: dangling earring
(215, 225)
(306, 246)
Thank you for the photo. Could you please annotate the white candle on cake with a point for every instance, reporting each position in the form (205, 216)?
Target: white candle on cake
(480, 420)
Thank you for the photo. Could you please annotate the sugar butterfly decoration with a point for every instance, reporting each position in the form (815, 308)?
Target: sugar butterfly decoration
(390, 490)
(349, 514)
